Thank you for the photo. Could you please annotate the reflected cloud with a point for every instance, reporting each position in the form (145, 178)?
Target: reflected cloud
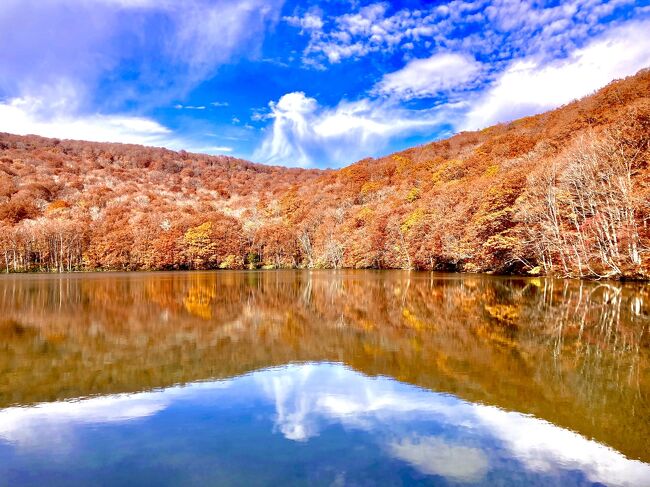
(541, 447)
(28, 426)
(436, 434)
(292, 410)
(433, 456)
(309, 398)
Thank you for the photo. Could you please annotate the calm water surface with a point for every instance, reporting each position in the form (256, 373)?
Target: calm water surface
(322, 378)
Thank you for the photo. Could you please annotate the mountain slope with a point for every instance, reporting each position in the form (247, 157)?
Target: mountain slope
(564, 192)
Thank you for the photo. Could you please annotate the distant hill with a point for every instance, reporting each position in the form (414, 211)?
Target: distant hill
(566, 192)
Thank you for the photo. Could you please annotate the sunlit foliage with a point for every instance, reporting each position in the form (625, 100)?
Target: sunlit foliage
(566, 192)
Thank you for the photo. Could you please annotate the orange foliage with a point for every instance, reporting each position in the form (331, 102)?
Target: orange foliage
(472, 202)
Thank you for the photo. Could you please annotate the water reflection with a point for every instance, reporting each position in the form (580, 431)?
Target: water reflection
(295, 419)
(573, 354)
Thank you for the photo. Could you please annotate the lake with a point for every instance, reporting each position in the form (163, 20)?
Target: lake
(322, 378)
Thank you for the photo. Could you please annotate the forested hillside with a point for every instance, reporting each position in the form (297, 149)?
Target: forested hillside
(566, 192)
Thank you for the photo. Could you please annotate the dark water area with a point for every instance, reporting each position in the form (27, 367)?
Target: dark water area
(322, 378)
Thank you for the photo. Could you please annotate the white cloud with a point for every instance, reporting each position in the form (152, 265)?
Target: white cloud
(211, 149)
(497, 30)
(189, 107)
(311, 21)
(25, 116)
(358, 33)
(303, 133)
(427, 77)
(531, 86)
(365, 21)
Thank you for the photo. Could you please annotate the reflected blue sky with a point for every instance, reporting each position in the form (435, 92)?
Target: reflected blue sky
(316, 424)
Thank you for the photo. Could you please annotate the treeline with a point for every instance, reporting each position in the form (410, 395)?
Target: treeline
(566, 193)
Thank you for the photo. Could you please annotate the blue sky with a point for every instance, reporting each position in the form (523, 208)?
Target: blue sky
(312, 84)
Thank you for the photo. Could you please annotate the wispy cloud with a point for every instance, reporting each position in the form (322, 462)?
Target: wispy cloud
(422, 78)
(211, 149)
(189, 107)
(184, 42)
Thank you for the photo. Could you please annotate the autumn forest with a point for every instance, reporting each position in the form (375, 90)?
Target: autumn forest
(565, 193)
